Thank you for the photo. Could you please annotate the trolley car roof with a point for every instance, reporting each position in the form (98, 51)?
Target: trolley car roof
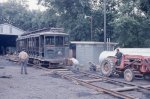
(50, 33)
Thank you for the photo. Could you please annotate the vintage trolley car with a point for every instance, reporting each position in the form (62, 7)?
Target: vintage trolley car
(46, 47)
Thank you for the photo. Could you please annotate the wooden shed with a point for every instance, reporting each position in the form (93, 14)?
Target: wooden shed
(8, 36)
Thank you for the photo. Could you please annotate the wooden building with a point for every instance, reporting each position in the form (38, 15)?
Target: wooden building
(8, 36)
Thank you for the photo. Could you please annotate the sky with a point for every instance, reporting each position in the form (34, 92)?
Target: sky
(32, 4)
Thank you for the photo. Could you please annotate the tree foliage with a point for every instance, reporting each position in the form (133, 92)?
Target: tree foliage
(18, 15)
(130, 25)
(127, 20)
(72, 16)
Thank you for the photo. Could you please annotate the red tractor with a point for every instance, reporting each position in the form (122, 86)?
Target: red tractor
(130, 66)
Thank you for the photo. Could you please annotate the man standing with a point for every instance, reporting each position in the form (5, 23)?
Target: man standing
(119, 57)
(23, 58)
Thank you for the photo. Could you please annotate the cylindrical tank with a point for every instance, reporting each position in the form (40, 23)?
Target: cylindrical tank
(135, 51)
(105, 54)
(129, 51)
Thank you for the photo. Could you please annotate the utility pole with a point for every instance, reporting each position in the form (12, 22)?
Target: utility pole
(91, 19)
(104, 24)
(91, 28)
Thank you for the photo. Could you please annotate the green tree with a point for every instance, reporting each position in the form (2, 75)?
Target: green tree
(72, 17)
(130, 25)
(15, 14)
(18, 14)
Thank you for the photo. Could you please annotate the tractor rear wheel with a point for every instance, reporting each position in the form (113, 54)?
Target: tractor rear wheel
(128, 75)
(107, 67)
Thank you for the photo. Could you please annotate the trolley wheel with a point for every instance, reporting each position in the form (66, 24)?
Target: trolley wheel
(107, 67)
(129, 75)
(38, 63)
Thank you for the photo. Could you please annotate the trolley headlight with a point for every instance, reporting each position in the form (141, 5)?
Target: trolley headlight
(60, 53)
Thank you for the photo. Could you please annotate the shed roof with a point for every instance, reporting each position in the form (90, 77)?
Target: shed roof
(42, 33)
(91, 42)
(46, 31)
(12, 26)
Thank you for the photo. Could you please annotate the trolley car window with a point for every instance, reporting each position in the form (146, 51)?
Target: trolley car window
(59, 40)
(30, 43)
(66, 41)
(49, 40)
(21, 43)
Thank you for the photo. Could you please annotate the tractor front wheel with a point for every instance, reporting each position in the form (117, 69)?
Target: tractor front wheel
(128, 75)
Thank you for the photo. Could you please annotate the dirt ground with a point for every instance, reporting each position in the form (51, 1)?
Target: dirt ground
(37, 85)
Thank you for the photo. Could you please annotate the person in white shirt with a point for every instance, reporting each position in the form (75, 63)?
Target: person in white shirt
(23, 59)
(75, 64)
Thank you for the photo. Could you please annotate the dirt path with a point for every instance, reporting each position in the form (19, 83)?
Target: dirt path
(36, 86)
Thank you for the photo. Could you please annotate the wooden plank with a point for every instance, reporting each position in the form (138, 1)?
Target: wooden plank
(115, 81)
(79, 75)
(1, 67)
(63, 71)
(97, 88)
(93, 80)
(6, 76)
(125, 89)
(146, 86)
(60, 69)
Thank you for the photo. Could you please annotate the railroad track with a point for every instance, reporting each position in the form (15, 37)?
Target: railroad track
(88, 80)
(88, 84)
(79, 78)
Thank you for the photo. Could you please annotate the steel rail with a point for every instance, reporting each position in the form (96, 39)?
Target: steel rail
(97, 88)
(96, 76)
(112, 80)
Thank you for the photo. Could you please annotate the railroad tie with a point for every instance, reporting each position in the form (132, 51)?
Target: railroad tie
(125, 89)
